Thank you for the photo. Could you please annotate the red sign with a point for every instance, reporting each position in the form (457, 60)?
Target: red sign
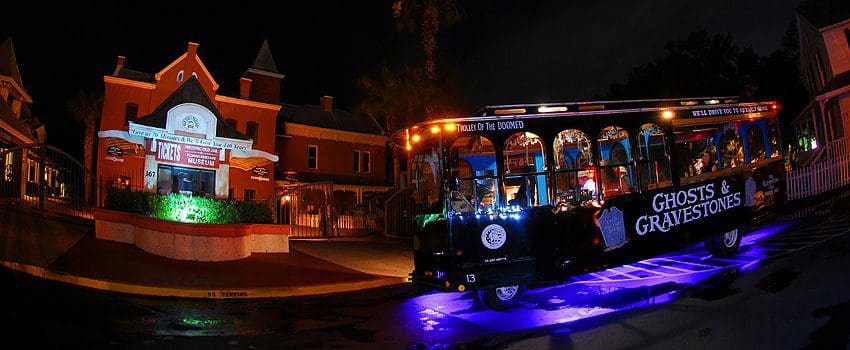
(191, 155)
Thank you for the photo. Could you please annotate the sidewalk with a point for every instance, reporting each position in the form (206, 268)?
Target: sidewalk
(68, 252)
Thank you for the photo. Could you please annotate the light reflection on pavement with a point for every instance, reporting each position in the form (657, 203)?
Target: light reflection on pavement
(453, 317)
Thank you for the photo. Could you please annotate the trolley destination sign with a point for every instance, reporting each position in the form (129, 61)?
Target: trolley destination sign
(492, 126)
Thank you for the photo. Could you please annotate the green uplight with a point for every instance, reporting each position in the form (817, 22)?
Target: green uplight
(200, 323)
(423, 220)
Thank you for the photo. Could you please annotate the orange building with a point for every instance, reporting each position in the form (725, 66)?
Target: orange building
(174, 132)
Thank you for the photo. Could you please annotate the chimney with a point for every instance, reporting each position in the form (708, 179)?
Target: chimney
(193, 49)
(244, 88)
(119, 65)
(327, 103)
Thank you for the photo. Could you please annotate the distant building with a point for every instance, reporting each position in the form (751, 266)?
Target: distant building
(325, 144)
(823, 127)
(174, 132)
(18, 126)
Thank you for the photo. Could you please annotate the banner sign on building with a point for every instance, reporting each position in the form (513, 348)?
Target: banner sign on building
(191, 155)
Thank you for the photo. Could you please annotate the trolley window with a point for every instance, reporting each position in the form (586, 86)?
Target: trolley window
(473, 167)
(574, 176)
(425, 176)
(654, 162)
(615, 162)
(525, 171)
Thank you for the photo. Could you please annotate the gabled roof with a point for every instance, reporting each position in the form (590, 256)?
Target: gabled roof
(9, 117)
(823, 13)
(190, 91)
(337, 119)
(264, 60)
(9, 65)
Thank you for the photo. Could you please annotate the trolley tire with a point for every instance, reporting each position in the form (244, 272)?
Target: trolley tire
(501, 297)
(724, 244)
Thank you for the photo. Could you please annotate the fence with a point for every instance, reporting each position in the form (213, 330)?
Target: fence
(45, 179)
(826, 175)
(397, 221)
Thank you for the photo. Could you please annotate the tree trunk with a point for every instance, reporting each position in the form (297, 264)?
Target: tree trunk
(430, 25)
(88, 158)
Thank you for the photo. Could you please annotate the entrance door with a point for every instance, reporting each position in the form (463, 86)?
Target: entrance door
(188, 181)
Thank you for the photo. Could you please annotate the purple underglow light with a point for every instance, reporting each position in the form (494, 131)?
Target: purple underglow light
(764, 232)
(658, 280)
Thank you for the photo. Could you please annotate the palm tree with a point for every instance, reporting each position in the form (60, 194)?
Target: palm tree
(392, 99)
(85, 107)
(426, 16)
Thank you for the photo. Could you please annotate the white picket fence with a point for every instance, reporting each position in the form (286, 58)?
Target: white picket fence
(823, 176)
(355, 222)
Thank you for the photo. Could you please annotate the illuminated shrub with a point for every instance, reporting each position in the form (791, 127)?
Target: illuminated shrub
(176, 207)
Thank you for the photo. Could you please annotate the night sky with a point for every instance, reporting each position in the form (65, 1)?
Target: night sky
(501, 52)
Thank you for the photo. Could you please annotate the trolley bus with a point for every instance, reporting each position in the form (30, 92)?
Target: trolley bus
(519, 194)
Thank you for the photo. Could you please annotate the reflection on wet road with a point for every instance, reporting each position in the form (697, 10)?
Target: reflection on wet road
(644, 283)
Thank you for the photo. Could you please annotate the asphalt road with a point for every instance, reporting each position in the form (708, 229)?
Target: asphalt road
(789, 287)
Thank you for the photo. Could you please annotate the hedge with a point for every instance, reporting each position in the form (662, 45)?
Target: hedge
(177, 207)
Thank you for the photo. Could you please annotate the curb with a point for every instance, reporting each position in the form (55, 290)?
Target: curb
(203, 293)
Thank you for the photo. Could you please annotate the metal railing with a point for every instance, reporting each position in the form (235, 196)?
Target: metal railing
(397, 220)
(45, 179)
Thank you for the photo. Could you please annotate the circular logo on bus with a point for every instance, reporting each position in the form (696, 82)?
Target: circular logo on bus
(493, 236)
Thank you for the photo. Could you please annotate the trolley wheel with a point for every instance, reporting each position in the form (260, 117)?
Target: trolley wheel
(502, 297)
(724, 244)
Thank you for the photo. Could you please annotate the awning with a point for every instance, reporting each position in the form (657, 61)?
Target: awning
(249, 163)
(252, 153)
(121, 134)
(125, 146)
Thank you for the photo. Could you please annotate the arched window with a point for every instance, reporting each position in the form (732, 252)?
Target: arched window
(773, 137)
(131, 111)
(653, 161)
(755, 143)
(615, 162)
(573, 176)
(525, 171)
(473, 168)
(731, 149)
(180, 76)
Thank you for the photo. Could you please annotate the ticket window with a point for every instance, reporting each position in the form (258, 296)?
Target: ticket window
(187, 181)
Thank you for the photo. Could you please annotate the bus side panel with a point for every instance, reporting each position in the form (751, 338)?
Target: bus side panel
(497, 249)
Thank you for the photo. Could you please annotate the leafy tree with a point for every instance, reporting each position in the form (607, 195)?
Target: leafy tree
(426, 17)
(85, 107)
(699, 65)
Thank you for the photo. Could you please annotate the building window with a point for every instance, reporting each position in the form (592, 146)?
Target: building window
(312, 157)
(188, 181)
(131, 111)
(251, 131)
(250, 194)
(231, 122)
(356, 161)
(180, 76)
(364, 161)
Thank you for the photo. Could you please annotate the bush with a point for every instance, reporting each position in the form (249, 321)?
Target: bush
(176, 207)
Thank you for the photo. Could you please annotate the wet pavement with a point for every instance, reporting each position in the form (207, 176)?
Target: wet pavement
(787, 288)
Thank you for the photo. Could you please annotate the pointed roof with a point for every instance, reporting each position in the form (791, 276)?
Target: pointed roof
(264, 62)
(9, 65)
(190, 91)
